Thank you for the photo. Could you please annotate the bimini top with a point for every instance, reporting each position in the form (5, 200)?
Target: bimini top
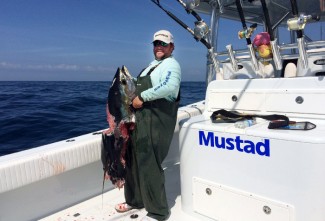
(279, 10)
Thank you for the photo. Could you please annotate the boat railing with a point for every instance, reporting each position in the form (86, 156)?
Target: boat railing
(311, 49)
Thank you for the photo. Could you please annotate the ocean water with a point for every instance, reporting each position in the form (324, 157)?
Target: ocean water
(35, 113)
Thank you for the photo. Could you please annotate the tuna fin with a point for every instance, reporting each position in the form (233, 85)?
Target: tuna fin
(117, 74)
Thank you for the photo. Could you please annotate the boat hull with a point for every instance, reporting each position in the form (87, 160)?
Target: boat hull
(42, 181)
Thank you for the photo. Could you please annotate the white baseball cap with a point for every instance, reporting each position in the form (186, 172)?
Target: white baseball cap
(164, 36)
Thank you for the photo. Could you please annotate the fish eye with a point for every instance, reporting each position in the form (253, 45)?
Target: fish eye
(123, 81)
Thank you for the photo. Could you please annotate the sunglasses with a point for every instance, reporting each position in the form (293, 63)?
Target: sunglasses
(160, 43)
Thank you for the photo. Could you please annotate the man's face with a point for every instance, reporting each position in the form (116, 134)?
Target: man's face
(162, 50)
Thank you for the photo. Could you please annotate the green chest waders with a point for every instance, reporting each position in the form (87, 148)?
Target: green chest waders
(145, 180)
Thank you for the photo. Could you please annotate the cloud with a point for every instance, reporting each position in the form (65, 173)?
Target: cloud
(54, 67)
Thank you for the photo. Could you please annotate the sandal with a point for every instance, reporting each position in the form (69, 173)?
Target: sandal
(123, 207)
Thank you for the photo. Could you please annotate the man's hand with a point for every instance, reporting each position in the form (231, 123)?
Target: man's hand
(137, 103)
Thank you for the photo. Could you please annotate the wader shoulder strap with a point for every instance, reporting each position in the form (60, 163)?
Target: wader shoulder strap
(151, 70)
(179, 95)
(224, 116)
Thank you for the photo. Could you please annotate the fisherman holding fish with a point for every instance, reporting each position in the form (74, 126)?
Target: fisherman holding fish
(156, 105)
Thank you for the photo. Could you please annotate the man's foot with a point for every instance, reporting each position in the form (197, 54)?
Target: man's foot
(123, 207)
(148, 218)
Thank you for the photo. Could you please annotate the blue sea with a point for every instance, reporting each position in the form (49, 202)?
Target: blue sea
(35, 113)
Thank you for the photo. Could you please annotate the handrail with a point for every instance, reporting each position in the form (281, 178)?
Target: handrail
(243, 54)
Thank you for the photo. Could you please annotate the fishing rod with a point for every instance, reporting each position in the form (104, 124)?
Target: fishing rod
(300, 37)
(247, 33)
(206, 44)
(201, 29)
(243, 21)
(298, 24)
(294, 8)
(189, 9)
(274, 46)
(198, 34)
(299, 21)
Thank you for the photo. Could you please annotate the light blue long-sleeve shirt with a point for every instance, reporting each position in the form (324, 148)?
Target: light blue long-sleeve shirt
(165, 79)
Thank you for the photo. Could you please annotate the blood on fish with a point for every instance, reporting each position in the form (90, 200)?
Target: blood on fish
(120, 118)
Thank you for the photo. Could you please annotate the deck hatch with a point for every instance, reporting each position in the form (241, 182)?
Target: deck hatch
(224, 203)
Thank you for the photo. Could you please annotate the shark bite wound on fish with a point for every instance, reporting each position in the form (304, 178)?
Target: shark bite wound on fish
(121, 120)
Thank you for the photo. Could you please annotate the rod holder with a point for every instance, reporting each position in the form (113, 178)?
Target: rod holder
(276, 54)
(215, 64)
(302, 52)
(221, 7)
(253, 57)
(233, 60)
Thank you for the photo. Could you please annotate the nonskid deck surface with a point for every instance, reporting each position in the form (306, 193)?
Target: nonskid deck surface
(103, 207)
(97, 208)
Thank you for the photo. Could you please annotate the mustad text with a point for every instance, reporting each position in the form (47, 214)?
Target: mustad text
(209, 139)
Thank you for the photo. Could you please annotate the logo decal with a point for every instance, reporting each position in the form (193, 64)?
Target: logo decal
(208, 139)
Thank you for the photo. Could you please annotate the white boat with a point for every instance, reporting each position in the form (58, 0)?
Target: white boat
(215, 170)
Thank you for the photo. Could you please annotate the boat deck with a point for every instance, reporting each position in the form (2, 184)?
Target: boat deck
(101, 207)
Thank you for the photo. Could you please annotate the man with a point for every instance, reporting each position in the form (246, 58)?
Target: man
(156, 106)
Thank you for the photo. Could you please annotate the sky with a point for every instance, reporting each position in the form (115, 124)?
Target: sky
(87, 40)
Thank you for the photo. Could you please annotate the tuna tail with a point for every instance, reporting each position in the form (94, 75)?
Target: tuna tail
(126, 71)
